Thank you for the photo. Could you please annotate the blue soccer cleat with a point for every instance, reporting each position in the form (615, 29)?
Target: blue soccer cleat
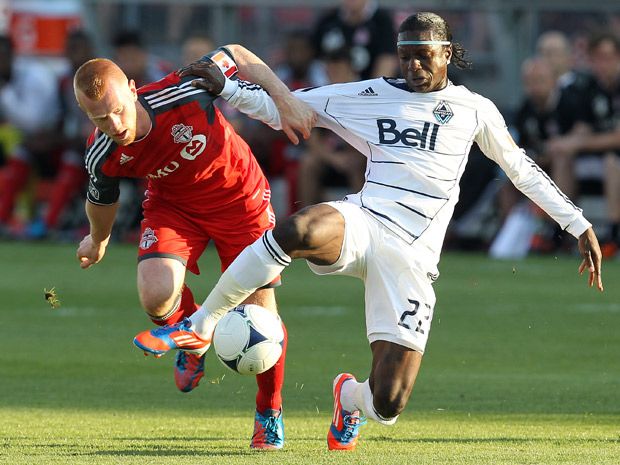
(268, 430)
(344, 430)
(188, 370)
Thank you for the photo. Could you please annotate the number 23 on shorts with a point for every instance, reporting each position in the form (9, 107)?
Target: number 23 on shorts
(414, 318)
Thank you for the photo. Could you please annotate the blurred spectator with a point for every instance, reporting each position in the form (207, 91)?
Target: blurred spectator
(538, 118)
(28, 103)
(328, 161)
(300, 67)
(551, 108)
(555, 47)
(71, 176)
(367, 30)
(601, 113)
(134, 59)
(573, 86)
(339, 66)
(9, 134)
(194, 47)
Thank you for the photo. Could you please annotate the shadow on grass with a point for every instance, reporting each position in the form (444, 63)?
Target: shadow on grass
(152, 451)
(168, 453)
(524, 440)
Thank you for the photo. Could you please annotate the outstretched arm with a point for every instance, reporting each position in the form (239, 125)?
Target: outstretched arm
(496, 143)
(295, 116)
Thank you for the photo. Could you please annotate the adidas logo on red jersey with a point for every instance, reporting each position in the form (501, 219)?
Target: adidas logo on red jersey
(125, 158)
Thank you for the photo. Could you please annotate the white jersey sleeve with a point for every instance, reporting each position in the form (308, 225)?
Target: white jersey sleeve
(252, 100)
(496, 143)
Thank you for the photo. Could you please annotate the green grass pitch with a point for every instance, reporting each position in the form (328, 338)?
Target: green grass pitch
(522, 367)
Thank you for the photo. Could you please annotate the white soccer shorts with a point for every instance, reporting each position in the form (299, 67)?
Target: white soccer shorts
(399, 294)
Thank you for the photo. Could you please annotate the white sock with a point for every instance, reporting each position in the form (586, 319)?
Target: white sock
(256, 266)
(357, 396)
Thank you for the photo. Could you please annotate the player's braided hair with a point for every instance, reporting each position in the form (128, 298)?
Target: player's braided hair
(427, 21)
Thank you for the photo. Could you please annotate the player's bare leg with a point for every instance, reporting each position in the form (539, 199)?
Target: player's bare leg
(265, 298)
(382, 397)
(393, 374)
(315, 233)
(160, 283)
(168, 301)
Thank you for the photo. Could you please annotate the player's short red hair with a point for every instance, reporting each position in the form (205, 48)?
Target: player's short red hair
(91, 78)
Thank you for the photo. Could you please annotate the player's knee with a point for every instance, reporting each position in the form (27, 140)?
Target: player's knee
(389, 401)
(294, 234)
(157, 301)
(305, 230)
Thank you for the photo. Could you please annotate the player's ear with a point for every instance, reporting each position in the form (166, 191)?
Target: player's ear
(448, 54)
(132, 88)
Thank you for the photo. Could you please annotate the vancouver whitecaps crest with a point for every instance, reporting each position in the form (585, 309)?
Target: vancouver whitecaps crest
(443, 112)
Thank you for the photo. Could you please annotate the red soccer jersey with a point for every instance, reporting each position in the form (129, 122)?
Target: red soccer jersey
(192, 156)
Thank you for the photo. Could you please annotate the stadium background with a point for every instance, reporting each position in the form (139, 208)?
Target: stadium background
(522, 364)
(498, 33)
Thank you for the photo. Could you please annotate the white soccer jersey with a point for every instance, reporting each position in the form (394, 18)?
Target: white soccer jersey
(417, 145)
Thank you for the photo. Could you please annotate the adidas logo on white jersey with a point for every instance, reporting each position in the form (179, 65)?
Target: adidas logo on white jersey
(368, 92)
(125, 158)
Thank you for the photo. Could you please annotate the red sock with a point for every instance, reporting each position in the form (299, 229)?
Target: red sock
(187, 307)
(16, 175)
(270, 383)
(68, 182)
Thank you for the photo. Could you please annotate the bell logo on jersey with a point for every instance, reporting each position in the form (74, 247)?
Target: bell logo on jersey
(181, 134)
(148, 239)
(196, 146)
(411, 137)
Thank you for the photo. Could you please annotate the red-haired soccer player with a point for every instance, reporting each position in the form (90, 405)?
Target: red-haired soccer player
(203, 184)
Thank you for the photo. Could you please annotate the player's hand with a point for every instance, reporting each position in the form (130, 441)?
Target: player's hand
(592, 257)
(90, 252)
(295, 117)
(212, 80)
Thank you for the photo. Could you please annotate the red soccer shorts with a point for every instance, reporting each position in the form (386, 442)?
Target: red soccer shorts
(173, 232)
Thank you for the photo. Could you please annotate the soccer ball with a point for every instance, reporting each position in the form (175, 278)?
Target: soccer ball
(248, 339)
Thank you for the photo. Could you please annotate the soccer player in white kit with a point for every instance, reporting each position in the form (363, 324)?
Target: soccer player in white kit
(416, 134)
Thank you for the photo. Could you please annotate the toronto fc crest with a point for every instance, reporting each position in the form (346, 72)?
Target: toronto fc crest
(181, 134)
(148, 239)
